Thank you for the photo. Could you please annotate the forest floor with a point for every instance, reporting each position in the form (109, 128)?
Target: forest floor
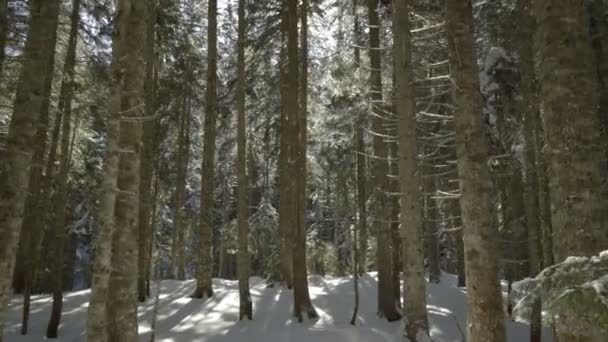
(182, 319)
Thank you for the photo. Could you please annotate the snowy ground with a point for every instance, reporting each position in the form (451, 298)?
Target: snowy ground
(182, 319)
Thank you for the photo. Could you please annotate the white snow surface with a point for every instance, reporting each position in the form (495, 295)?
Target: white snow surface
(183, 319)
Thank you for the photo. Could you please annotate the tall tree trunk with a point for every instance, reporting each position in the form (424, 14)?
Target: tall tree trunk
(574, 147)
(284, 223)
(116, 253)
(297, 108)
(360, 123)
(180, 221)
(245, 304)
(574, 153)
(529, 109)
(386, 295)
(3, 30)
(416, 327)
(33, 85)
(485, 316)
(59, 232)
(599, 40)
(147, 157)
(36, 206)
(205, 264)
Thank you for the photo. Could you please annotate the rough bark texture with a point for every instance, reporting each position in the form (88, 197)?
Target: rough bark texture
(575, 159)
(284, 222)
(205, 264)
(297, 92)
(34, 215)
(599, 40)
(574, 148)
(32, 92)
(180, 222)
(410, 214)
(147, 159)
(245, 304)
(59, 232)
(3, 30)
(529, 109)
(485, 316)
(387, 307)
(115, 317)
(360, 123)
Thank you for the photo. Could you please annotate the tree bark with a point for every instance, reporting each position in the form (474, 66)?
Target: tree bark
(416, 328)
(529, 110)
(387, 307)
(205, 265)
(245, 304)
(180, 222)
(297, 92)
(115, 271)
(59, 232)
(485, 316)
(33, 85)
(3, 30)
(147, 157)
(574, 152)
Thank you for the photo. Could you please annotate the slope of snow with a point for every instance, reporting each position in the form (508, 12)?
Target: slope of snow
(182, 319)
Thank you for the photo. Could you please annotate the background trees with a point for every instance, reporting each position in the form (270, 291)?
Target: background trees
(277, 138)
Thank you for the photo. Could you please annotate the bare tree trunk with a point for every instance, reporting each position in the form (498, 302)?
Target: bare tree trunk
(574, 146)
(115, 317)
(485, 316)
(416, 327)
(599, 41)
(59, 231)
(39, 57)
(180, 221)
(297, 92)
(204, 287)
(284, 178)
(147, 157)
(574, 153)
(529, 109)
(36, 205)
(3, 30)
(386, 295)
(245, 304)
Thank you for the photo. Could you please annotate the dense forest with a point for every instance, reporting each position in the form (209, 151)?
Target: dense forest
(304, 170)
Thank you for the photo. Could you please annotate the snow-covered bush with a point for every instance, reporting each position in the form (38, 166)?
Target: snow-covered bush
(575, 292)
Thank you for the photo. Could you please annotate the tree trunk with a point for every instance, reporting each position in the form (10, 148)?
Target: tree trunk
(574, 152)
(147, 158)
(599, 41)
(115, 317)
(38, 61)
(529, 109)
(3, 30)
(59, 233)
(431, 231)
(180, 222)
(297, 108)
(36, 205)
(245, 304)
(386, 295)
(574, 147)
(284, 223)
(204, 287)
(416, 327)
(485, 316)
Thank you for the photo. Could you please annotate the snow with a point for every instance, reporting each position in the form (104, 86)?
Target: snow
(184, 319)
